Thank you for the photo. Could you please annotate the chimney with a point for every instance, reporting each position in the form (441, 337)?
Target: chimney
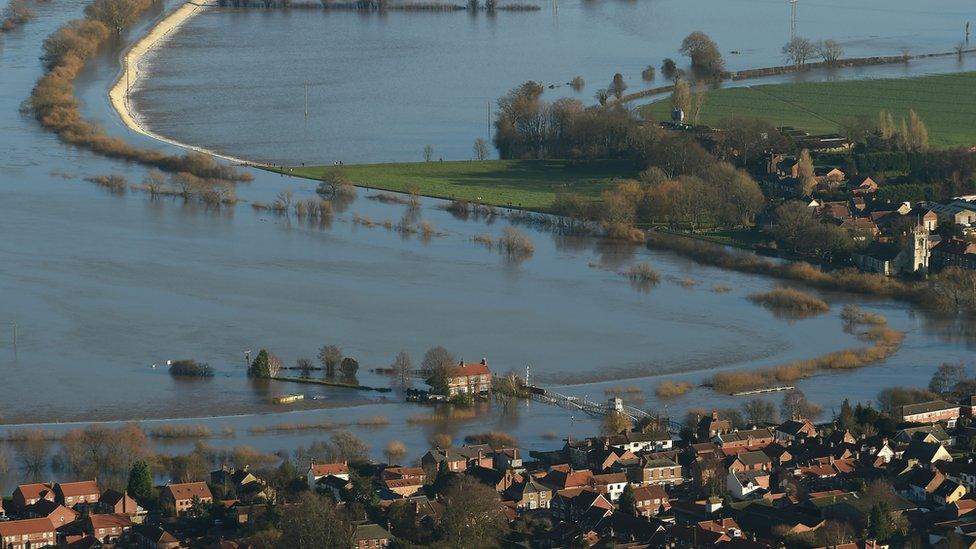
(714, 415)
(484, 361)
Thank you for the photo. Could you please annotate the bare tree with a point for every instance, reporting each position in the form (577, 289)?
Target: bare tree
(428, 153)
(154, 181)
(330, 356)
(304, 367)
(33, 452)
(699, 99)
(436, 357)
(401, 368)
(480, 149)
(830, 51)
(759, 411)
(798, 50)
(946, 377)
(681, 96)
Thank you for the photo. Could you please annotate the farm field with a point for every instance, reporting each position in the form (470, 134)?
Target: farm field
(528, 184)
(945, 103)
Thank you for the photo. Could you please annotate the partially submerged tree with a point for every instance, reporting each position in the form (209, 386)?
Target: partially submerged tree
(704, 54)
(798, 50)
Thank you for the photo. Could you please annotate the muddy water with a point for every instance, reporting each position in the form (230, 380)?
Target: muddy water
(102, 287)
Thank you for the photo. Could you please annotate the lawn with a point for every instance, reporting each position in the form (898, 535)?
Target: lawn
(529, 184)
(945, 103)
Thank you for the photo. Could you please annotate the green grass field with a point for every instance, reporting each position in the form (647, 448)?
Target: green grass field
(946, 103)
(528, 184)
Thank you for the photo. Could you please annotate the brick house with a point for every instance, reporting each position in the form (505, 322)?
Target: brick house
(28, 533)
(181, 496)
(953, 252)
(651, 500)
(611, 484)
(453, 460)
(70, 494)
(573, 504)
(108, 527)
(749, 461)
(112, 501)
(930, 412)
(793, 429)
(745, 439)
(655, 471)
(29, 494)
(469, 378)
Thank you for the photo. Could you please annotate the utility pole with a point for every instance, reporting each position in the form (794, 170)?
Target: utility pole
(488, 118)
(306, 99)
(793, 19)
(14, 326)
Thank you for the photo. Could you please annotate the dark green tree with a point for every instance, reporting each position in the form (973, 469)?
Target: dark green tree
(846, 419)
(261, 367)
(627, 501)
(140, 485)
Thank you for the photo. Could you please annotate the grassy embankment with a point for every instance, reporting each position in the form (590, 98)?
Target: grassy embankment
(526, 184)
(944, 102)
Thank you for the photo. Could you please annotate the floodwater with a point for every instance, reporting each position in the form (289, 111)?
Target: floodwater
(381, 86)
(101, 287)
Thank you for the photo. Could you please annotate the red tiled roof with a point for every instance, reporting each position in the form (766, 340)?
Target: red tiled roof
(110, 520)
(81, 488)
(326, 469)
(25, 527)
(190, 490)
(465, 369)
(33, 491)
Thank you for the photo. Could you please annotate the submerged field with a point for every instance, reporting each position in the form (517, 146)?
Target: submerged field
(945, 103)
(531, 184)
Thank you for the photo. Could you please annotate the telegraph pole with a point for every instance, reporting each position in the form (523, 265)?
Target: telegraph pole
(793, 19)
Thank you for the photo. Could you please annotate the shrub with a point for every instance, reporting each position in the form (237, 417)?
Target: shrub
(671, 389)
(642, 272)
(514, 243)
(190, 368)
(495, 439)
(791, 301)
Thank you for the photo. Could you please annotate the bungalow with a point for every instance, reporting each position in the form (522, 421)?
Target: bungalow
(651, 500)
(930, 412)
(318, 471)
(28, 533)
(181, 497)
(108, 527)
(70, 494)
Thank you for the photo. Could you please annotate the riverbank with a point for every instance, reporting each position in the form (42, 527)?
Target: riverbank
(131, 73)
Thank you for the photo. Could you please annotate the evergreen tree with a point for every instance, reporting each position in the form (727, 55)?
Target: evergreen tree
(881, 527)
(846, 418)
(627, 501)
(261, 367)
(140, 485)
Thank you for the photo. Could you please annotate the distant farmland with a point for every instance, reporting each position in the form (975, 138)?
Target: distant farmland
(947, 104)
